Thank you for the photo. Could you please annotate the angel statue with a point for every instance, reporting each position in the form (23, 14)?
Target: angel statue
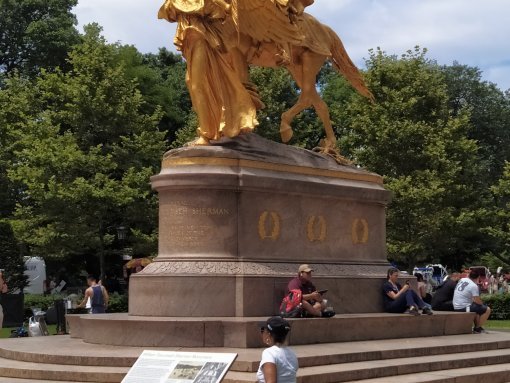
(220, 39)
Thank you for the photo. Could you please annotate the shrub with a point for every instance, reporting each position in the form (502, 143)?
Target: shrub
(499, 304)
(118, 303)
(42, 301)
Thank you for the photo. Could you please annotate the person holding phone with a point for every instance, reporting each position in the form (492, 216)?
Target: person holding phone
(398, 299)
(313, 302)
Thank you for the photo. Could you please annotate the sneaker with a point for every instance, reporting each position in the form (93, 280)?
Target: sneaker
(427, 311)
(328, 313)
(412, 311)
(479, 330)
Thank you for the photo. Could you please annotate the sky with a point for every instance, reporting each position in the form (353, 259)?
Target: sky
(472, 32)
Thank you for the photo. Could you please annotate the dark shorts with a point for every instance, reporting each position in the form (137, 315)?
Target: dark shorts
(475, 308)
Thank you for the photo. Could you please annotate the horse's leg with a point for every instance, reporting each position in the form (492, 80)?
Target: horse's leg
(286, 132)
(305, 76)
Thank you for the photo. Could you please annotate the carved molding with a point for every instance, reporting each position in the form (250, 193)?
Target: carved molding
(258, 269)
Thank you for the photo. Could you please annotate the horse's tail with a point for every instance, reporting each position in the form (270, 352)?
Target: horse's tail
(343, 64)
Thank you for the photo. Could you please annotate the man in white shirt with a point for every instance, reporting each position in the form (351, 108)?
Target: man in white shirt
(466, 298)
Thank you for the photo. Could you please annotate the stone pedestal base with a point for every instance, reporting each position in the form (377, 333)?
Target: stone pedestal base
(247, 289)
(237, 218)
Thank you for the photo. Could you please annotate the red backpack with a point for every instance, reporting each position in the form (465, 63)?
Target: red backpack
(291, 305)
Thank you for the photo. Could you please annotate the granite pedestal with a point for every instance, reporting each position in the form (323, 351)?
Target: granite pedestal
(237, 218)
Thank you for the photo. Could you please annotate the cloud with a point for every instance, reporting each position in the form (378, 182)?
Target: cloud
(472, 32)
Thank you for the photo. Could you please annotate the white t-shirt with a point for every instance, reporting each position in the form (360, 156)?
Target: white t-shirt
(286, 364)
(464, 292)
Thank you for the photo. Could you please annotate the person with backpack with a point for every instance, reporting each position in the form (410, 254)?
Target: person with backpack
(279, 363)
(303, 299)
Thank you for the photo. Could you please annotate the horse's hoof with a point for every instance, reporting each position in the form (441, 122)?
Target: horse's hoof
(286, 132)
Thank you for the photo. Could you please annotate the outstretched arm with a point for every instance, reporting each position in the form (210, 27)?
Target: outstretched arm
(87, 295)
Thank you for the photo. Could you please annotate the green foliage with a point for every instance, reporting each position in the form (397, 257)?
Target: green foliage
(499, 304)
(489, 113)
(84, 153)
(11, 260)
(36, 34)
(499, 229)
(278, 91)
(410, 137)
(44, 302)
(118, 303)
(161, 81)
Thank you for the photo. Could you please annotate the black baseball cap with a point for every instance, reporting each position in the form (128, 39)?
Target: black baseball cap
(276, 325)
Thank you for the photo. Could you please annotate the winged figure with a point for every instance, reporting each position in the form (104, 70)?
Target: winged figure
(266, 33)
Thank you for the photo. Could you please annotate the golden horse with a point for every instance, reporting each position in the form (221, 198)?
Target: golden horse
(306, 59)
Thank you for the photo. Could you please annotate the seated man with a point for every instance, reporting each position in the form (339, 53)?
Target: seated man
(313, 303)
(443, 297)
(466, 298)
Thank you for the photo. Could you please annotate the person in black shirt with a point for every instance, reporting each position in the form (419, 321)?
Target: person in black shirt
(443, 297)
(398, 299)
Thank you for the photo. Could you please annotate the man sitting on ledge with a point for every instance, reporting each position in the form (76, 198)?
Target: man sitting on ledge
(443, 297)
(313, 303)
(467, 299)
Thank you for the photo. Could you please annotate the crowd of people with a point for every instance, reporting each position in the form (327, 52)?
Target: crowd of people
(279, 363)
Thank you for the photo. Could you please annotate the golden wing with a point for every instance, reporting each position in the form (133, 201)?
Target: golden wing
(265, 21)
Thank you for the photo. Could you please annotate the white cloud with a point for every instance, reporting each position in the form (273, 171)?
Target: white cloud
(128, 21)
(472, 32)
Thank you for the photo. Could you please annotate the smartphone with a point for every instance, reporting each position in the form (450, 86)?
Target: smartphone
(321, 292)
(407, 282)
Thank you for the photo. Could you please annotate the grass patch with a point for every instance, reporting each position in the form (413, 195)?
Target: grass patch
(498, 324)
(5, 332)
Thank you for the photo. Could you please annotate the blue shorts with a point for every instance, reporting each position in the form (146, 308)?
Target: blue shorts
(474, 308)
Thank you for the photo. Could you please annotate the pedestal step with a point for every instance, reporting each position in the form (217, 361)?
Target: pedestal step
(459, 359)
(56, 373)
(345, 372)
(233, 332)
(499, 373)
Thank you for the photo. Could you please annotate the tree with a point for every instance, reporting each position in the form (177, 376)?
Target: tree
(161, 81)
(11, 259)
(36, 34)
(500, 228)
(410, 137)
(84, 157)
(489, 111)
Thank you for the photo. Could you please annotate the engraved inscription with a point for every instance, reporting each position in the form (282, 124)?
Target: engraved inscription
(317, 229)
(274, 226)
(192, 226)
(360, 231)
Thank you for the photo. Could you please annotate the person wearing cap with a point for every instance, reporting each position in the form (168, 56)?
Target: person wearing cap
(279, 363)
(313, 302)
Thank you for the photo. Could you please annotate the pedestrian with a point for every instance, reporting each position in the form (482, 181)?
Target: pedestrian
(97, 294)
(279, 363)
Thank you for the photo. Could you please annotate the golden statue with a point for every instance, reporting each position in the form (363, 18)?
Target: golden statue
(220, 39)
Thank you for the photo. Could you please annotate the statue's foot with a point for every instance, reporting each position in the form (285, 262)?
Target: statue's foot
(199, 141)
(286, 132)
(246, 130)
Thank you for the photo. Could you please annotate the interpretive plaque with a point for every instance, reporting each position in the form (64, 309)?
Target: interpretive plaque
(179, 367)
